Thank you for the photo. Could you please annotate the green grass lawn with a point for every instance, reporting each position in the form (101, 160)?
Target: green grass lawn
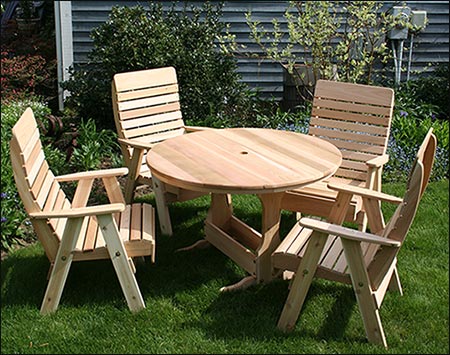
(186, 313)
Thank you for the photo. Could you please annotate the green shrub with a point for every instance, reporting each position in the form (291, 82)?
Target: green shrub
(428, 92)
(134, 38)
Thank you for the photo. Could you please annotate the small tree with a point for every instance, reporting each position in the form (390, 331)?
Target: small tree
(338, 39)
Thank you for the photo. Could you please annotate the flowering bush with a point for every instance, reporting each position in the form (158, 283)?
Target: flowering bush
(23, 74)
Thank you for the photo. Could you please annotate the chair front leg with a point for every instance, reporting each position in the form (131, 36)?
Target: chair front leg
(302, 281)
(363, 292)
(119, 258)
(61, 266)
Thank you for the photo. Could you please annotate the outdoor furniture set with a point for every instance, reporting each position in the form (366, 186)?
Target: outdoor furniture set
(333, 172)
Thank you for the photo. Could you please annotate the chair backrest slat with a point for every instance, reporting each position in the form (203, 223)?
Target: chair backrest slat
(35, 182)
(354, 117)
(146, 105)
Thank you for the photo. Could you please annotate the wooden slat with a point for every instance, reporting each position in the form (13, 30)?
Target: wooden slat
(316, 131)
(144, 78)
(148, 222)
(26, 131)
(125, 221)
(32, 149)
(354, 165)
(52, 195)
(148, 227)
(351, 174)
(82, 235)
(39, 180)
(358, 146)
(353, 155)
(154, 91)
(233, 249)
(44, 190)
(150, 129)
(33, 170)
(333, 249)
(148, 101)
(349, 126)
(159, 137)
(130, 119)
(136, 222)
(91, 234)
(349, 116)
(345, 105)
(156, 128)
(354, 92)
(248, 236)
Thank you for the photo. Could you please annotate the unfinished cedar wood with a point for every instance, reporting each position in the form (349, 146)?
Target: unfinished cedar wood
(70, 230)
(367, 261)
(231, 161)
(147, 111)
(357, 119)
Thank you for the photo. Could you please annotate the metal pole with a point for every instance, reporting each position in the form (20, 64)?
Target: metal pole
(410, 57)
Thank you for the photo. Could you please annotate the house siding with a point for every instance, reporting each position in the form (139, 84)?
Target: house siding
(431, 46)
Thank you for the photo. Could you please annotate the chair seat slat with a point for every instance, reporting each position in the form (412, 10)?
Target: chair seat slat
(136, 222)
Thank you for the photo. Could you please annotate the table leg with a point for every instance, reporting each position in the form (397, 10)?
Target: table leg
(219, 214)
(270, 239)
(271, 215)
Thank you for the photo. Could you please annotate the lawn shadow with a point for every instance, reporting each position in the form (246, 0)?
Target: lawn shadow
(247, 313)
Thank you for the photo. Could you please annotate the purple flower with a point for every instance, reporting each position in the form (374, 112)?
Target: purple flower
(403, 113)
(4, 195)
(3, 219)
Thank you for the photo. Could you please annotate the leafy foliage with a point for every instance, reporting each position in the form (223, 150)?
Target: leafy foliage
(134, 38)
(341, 39)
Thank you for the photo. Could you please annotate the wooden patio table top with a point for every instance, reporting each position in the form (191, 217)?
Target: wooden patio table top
(243, 160)
(265, 162)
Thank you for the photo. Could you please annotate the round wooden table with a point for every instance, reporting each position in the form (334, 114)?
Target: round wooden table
(259, 161)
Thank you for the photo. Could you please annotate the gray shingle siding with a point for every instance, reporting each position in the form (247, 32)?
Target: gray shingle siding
(431, 46)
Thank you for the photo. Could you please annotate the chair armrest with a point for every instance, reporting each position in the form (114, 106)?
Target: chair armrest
(85, 175)
(347, 233)
(364, 192)
(197, 128)
(80, 211)
(378, 161)
(136, 144)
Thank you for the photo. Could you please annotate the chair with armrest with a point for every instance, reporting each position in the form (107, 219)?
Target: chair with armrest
(71, 230)
(368, 261)
(147, 111)
(357, 119)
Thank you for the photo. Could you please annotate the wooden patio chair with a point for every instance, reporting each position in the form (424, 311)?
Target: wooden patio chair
(71, 230)
(366, 260)
(147, 111)
(357, 119)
